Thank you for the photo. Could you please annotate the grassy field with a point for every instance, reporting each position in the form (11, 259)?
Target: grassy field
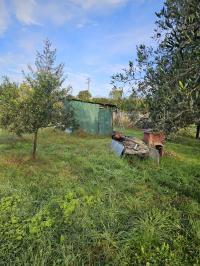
(79, 204)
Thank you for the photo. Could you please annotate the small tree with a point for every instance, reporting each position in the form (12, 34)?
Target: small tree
(116, 94)
(84, 95)
(38, 103)
(45, 106)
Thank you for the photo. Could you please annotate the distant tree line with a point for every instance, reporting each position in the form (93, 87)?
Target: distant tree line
(128, 104)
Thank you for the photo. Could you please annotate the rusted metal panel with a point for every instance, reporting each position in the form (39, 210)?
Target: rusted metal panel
(155, 140)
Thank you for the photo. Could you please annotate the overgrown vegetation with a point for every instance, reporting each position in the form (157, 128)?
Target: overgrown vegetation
(79, 204)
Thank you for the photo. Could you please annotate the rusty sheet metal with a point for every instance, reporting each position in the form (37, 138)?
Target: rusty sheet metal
(155, 140)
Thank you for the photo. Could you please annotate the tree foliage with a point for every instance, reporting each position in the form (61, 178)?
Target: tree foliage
(10, 106)
(84, 95)
(169, 76)
(38, 103)
(116, 94)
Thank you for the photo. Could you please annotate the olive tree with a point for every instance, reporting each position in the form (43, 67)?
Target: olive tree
(168, 76)
(10, 106)
(39, 102)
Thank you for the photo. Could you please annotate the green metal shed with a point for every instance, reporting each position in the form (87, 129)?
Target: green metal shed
(93, 118)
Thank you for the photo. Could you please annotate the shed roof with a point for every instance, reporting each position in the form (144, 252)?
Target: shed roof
(102, 104)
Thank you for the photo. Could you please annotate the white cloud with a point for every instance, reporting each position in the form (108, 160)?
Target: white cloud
(57, 12)
(9, 65)
(30, 42)
(125, 42)
(25, 11)
(90, 4)
(77, 81)
(37, 12)
(4, 17)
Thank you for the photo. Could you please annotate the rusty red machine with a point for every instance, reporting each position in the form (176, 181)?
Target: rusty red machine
(155, 140)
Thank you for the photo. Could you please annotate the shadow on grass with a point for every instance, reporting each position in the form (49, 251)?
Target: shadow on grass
(13, 139)
(186, 141)
(180, 177)
(192, 193)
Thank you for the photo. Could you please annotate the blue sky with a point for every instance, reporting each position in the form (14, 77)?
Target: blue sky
(94, 38)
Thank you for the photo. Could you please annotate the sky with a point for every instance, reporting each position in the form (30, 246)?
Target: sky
(93, 38)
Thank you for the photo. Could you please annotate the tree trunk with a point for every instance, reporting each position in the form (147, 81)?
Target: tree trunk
(198, 132)
(35, 144)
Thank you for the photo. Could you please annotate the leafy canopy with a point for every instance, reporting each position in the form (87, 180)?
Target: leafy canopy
(168, 77)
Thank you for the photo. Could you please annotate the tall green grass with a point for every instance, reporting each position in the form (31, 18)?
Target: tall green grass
(79, 204)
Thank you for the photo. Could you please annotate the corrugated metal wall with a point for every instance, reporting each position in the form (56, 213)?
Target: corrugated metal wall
(92, 118)
(105, 121)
